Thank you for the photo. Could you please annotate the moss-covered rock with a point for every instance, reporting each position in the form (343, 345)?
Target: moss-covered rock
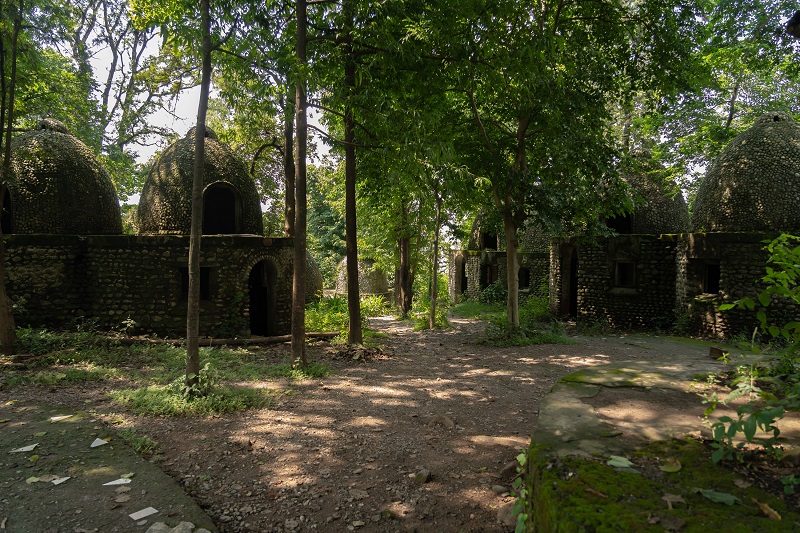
(58, 186)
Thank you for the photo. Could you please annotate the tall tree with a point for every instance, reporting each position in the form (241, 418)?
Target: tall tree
(301, 215)
(8, 333)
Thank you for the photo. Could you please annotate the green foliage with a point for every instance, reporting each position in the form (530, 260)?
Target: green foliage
(330, 313)
(495, 292)
(775, 378)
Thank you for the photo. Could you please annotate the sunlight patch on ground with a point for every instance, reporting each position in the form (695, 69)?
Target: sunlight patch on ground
(367, 422)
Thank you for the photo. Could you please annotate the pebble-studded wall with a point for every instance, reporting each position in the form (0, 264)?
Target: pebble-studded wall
(53, 280)
(628, 281)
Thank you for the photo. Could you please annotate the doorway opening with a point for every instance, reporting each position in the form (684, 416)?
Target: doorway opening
(261, 285)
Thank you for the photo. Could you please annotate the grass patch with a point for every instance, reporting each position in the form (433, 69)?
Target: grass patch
(505, 335)
(166, 400)
(141, 444)
(152, 376)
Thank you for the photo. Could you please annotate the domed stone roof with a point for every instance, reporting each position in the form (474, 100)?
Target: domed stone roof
(230, 199)
(371, 280)
(58, 186)
(754, 185)
(656, 209)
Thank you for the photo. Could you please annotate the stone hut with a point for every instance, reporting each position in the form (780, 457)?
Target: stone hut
(627, 279)
(653, 273)
(84, 269)
(483, 262)
(749, 195)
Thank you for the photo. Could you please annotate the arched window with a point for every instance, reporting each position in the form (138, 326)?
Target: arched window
(221, 210)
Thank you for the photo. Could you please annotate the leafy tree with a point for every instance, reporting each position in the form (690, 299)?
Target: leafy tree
(745, 65)
(530, 86)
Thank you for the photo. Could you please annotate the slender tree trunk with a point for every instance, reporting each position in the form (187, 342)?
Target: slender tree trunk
(435, 268)
(354, 335)
(288, 164)
(300, 220)
(512, 304)
(8, 332)
(732, 104)
(195, 236)
(404, 275)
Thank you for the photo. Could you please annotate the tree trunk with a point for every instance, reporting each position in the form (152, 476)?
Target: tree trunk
(300, 215)
(435, 268)
(8, 332)
(288, 164)
(354, 335)
(404, 274)
(512, 304)
(195, 236)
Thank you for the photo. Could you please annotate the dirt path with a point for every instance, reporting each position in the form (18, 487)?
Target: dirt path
(421, 439)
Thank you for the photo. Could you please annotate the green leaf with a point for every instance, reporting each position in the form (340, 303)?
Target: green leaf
(727, 307)
(718, 497)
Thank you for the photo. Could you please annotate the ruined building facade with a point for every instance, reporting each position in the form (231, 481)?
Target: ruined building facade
(67, 259)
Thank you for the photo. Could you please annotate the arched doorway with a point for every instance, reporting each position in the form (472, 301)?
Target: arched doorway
(6, 221)
(568, 301)
(261, 286)
(221, 212)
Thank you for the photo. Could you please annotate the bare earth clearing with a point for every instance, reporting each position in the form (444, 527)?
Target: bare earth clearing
(353, 451)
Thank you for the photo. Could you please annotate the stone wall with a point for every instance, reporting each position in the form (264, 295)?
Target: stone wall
(742, 261)
(54, 280)
(628, 281)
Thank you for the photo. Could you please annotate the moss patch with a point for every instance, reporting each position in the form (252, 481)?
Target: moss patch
(586, 494)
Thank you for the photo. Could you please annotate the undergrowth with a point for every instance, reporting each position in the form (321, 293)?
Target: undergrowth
(150, 379)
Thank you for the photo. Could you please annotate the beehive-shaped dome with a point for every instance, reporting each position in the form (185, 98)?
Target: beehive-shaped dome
(231, 203)
(371, 280)
(58, 186)
(754, 185)
(658, 206)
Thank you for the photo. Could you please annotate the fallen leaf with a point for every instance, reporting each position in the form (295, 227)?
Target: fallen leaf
(123, 488)
(48, 478)
(40, 434)
(768, 511)
(671, 466)
(672, 498)
(4, 420)
(742, 484)
(33, 458)
(122, 498)
(120, 481)
(718, 497)
(128, 475)
(60, 480)
(147, 511)
(25, 448)
(59, 418)
(32, 479)
(619, 462)
(98, 442)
